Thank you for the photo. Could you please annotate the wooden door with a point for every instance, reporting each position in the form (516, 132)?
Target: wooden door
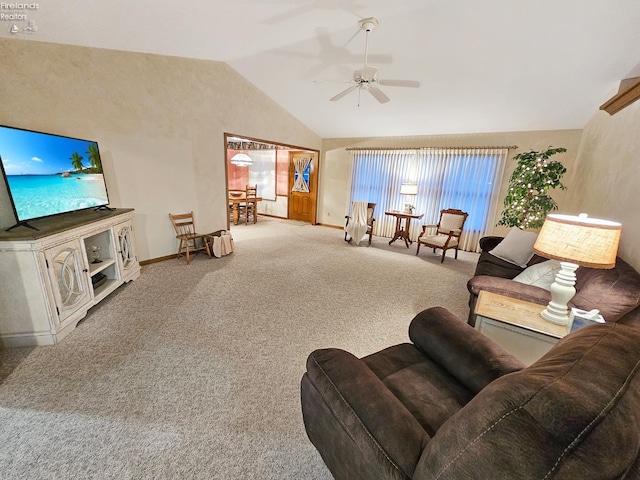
(303, 186)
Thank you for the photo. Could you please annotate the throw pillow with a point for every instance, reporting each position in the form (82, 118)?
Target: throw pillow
(516, 247)
(540, 275)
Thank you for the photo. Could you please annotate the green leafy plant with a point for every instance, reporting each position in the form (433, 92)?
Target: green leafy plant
(94, 158)
(76, 161)
(527, 202)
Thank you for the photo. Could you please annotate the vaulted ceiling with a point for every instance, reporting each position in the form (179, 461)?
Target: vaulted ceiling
(489, 66)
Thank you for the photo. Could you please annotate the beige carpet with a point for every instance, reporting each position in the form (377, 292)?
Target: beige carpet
(193, 371)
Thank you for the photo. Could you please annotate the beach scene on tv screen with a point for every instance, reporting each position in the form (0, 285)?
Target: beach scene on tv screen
(49, 174)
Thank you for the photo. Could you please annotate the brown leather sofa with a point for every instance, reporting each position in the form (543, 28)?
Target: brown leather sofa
(615, 292)
(452, 405)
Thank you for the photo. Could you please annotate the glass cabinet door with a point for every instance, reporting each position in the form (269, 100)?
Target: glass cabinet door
(126, 253)
(68, 276)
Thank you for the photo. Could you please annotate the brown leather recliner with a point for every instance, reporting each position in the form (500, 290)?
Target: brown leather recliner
(454, 405)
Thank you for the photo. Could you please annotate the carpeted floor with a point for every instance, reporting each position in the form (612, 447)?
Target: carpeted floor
(193, 371)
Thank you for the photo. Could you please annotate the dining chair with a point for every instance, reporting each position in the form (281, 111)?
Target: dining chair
(190, 240)
(250, 210)
(447, 234)
(234, 205)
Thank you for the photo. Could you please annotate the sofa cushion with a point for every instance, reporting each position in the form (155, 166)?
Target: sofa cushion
(516, 248)
(490, 265)
(614, 292)
(469, 356)
(539, 275)
(347, 409)
(572, 414)
(428, 391)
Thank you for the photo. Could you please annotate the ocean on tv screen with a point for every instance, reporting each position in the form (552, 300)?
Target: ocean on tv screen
(42, 195)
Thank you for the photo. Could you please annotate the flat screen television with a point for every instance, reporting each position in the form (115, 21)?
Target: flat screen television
(49, 174)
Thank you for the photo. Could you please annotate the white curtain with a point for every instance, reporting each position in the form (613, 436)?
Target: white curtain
(464, 178)
(263, 172)
(300, 183)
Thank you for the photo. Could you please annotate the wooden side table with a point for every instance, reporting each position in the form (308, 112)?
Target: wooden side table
(403, 231)
(516, 326)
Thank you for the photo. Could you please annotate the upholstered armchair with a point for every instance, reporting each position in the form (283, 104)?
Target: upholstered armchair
(447, 232)
(453, 405)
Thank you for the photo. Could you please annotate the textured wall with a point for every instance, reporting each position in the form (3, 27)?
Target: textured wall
(159, 122)
(607, 175)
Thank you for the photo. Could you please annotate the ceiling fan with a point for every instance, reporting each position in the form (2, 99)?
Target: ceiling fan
(367, 77)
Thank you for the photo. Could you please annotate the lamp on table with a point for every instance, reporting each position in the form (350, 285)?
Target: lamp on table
(575, 241)
(409, 190)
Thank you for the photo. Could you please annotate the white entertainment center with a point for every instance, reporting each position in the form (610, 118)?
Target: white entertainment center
(53, 275)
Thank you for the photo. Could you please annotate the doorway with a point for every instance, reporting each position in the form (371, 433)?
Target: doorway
(284, 191)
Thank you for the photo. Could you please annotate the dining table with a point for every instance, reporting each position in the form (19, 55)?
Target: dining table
(236, 199)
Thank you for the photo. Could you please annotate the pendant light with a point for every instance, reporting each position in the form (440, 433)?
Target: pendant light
(241, 159)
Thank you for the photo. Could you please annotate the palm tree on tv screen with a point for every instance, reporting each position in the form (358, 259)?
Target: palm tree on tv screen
(76, 161)
(94, 158)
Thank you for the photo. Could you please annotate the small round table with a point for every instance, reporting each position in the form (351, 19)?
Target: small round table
(403, 231)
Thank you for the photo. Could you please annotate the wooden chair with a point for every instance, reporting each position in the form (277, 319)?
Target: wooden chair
(184, 225)
(250, 207)
(448, 231)
(371, 207)
(235, 194)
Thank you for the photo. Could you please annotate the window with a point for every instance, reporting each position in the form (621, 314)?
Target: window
(464, 178)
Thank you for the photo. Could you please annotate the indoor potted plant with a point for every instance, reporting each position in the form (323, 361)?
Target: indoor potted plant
(527, 202)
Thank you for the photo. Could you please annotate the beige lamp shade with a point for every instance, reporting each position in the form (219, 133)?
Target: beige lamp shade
(588, 242)
(409, 189)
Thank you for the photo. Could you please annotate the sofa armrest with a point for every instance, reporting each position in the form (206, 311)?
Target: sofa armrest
(508, 288)
(356, 423)
(465, 353)
(632, 318)
(489, 242)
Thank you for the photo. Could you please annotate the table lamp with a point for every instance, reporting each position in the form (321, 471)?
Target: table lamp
(574, 241)
(408, 189)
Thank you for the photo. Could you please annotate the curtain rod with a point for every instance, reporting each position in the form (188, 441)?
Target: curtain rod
(509, 147)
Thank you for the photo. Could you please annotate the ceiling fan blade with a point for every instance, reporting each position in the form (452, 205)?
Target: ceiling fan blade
(334, 81)
(400, 83)
(378, 94)
(344, 92)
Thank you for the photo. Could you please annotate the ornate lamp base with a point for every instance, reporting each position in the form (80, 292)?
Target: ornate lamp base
(562, 291)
